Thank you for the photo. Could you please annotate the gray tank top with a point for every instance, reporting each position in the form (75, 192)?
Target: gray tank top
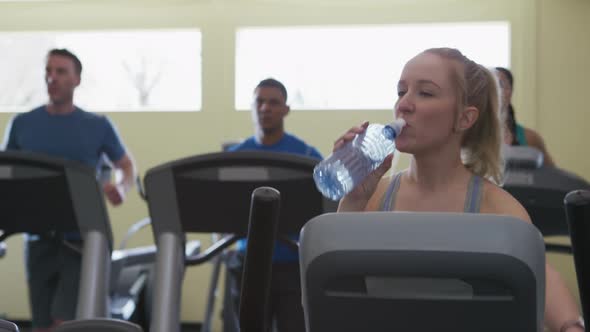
(472, 200)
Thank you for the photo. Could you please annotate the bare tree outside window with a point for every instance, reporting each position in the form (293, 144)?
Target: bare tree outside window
(144, 77)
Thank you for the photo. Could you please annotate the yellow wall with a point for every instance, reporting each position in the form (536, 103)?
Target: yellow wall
(563, 81)
(544, 97)
(563, 111)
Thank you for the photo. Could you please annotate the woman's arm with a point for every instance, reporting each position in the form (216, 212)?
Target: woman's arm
(560, 307)
(535, 140)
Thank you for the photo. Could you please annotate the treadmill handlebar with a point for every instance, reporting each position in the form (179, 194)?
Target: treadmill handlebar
(577, 208)
(257, 274)
(578, 198)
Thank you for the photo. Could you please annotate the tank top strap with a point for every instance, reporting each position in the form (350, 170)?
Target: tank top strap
(474, 194)
(388, 202)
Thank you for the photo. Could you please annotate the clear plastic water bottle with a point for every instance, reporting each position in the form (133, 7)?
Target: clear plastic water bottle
(346, 167)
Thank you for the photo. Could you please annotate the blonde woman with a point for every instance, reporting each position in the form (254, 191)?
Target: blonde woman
(453, 135)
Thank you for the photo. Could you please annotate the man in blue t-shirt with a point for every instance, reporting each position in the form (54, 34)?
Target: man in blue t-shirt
(268, 113)
(61, 129)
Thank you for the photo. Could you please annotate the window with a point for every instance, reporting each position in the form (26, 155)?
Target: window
(144, 70)
(357, 68)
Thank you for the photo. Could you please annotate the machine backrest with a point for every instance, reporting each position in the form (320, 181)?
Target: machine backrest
(395, 271)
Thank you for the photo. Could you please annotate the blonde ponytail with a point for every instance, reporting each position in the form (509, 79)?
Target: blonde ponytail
(478, 87)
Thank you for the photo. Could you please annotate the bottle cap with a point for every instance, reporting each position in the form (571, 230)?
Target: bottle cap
(398, 125)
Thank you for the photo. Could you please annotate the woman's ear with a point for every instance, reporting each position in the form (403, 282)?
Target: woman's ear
(467, 118)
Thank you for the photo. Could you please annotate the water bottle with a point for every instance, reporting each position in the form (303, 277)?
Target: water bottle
(344, 169)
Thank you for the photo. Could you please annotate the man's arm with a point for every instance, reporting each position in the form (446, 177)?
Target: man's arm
(116, 192)
(535, 140)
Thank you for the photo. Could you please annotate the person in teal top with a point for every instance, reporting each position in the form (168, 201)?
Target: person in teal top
(517, 134)
(269, 110)
(61, 129)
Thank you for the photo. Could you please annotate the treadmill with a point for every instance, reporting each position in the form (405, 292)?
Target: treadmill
(35, 187)
(541, 190)
(211, 193)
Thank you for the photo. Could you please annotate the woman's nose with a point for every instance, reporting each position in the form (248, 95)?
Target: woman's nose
(405, 104)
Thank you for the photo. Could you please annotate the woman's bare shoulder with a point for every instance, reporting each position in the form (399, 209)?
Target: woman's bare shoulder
(496, 200)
